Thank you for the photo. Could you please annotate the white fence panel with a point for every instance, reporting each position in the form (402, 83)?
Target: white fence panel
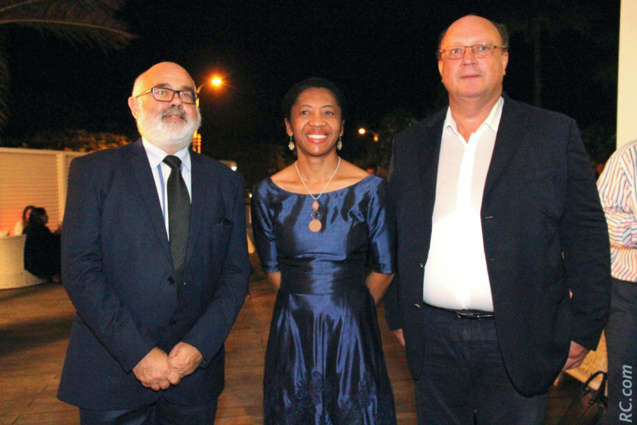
(33, 177)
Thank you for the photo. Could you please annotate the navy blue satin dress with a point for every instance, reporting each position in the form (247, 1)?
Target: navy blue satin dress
(324, 360)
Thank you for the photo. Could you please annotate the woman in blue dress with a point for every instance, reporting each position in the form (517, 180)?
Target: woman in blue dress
(315, 224)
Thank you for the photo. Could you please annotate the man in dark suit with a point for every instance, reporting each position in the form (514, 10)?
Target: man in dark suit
(155, 262)
(498, 218)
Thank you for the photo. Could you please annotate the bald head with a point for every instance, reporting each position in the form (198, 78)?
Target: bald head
(168, 123)
(156, 74)
(501, 28)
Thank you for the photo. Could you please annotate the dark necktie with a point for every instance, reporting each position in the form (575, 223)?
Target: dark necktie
(178, 218)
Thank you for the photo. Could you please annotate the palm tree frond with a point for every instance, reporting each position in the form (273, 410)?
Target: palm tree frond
(88, 22)
(104, 6)
(84, 22)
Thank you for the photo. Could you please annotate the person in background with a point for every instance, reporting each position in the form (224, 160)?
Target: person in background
(618, 193)
(498, 221)
(22, 223)
(42, 247)
(315, 223)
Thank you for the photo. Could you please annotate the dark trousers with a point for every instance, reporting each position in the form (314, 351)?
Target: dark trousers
(160, 413)
(621, 343)
(463, 379)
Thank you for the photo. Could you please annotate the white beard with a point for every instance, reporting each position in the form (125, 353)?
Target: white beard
(167, 135)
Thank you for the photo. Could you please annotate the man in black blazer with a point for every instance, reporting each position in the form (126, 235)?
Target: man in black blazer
(498, 219)
(156, 264)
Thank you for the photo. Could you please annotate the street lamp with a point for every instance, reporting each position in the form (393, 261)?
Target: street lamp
(196, 137)
(215, 81)
(362, 131)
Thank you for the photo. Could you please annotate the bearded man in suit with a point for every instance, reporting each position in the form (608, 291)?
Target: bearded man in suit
(498, 218)
(156, 264)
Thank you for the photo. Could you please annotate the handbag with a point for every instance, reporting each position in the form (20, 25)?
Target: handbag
(589, 406)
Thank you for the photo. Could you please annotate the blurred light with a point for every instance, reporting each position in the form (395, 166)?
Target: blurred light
(216, 81)
(362, 131)
(230, 164)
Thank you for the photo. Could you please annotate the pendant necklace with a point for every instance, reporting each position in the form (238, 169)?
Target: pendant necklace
(315, 223)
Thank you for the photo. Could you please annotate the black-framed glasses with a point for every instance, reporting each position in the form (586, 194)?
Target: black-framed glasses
(480, 50)
(162, 94)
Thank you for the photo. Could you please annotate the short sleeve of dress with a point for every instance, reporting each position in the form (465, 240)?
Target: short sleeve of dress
(263, 231)
(382, 231)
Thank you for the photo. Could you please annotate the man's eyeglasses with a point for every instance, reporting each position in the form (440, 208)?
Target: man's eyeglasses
(163, 94)
(482, 50)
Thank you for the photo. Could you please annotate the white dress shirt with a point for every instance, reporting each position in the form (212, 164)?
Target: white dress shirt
(161, 172)
(456, 274)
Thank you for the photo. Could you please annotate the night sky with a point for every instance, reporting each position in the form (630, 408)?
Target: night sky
(382, 54)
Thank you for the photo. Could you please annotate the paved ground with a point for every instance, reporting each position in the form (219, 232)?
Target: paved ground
(35, 324)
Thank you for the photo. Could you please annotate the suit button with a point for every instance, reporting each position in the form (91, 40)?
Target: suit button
(417, 306)
(421, 265)
(170, 281)
(172, 322)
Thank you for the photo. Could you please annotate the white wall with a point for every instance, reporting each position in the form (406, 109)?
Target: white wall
(33, 177)
(627, 78)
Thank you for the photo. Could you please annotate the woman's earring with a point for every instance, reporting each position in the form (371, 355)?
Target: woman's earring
(291, 144)
(339, 144)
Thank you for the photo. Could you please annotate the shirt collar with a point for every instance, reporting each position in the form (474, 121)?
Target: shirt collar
(492, 121)
(156, 155)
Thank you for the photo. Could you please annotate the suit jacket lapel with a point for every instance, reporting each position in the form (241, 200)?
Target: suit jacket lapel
(148, 190)
(429, 158)
(205, 199)
(510, 134)
(428, 139)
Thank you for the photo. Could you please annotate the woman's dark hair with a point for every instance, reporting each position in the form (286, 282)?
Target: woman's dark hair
(25, 214)
(315, 82)
(37, 216)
